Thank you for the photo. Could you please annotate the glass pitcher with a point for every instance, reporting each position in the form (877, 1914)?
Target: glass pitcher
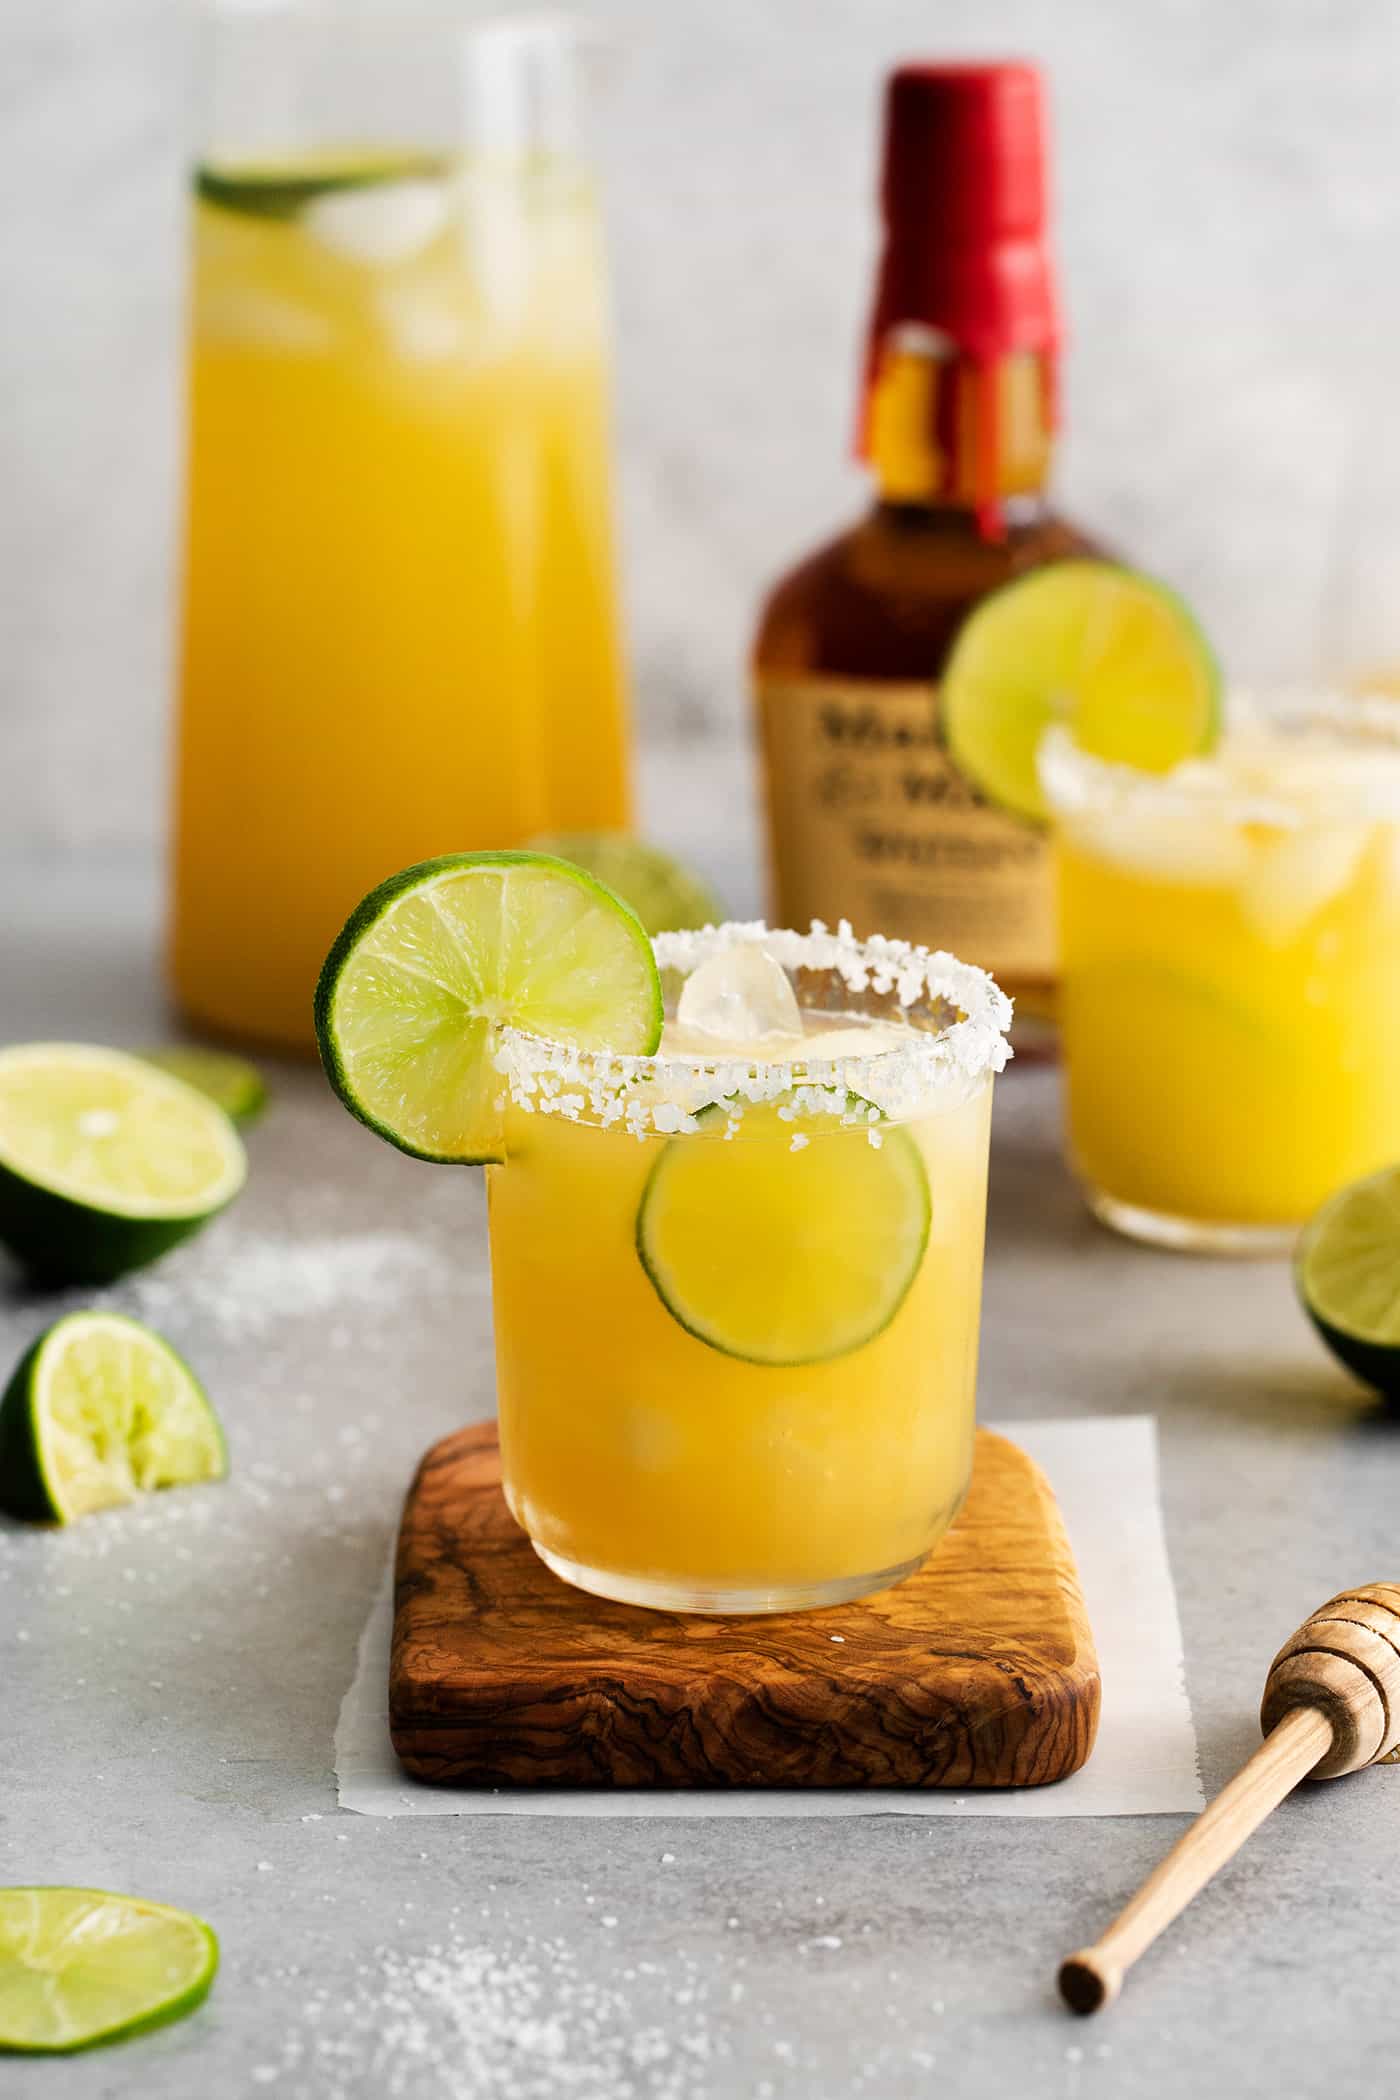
(400, 630)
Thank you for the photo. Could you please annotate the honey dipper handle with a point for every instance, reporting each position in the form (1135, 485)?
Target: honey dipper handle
(1093, 1977)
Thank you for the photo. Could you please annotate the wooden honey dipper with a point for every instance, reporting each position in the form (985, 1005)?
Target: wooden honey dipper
(1331, 1705)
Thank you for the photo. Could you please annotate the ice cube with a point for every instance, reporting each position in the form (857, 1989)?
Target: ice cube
(256, 319)
(1294, 877)
(739, 995)
(426, 323)
(1197, 847)
(384, 222)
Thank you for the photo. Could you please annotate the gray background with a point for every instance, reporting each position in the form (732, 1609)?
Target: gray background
(1229, 212)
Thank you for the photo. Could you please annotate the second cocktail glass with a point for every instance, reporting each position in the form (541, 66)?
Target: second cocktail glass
(1231, 955)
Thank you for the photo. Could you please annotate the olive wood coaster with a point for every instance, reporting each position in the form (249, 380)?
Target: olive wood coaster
(977, 1671)
(1331, 1706)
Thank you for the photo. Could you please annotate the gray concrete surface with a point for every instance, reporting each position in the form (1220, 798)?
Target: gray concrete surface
(1228, 212)
(170, 1677)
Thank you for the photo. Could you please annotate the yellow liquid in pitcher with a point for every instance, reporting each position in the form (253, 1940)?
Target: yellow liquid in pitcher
(400, 634)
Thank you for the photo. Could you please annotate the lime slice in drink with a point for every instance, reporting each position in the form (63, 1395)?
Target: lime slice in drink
(667, 896)
(781, 1256)
(98, 1411)
(280, 191)
(1111, 653)
(1347, 1271)
(105, 1162)
(81, 1966)
(234, 1085)
(437, 959)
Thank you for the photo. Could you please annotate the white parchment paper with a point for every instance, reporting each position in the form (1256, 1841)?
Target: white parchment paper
(1104, 1473)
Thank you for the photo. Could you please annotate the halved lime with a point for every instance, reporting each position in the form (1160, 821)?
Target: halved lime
(1347, 1270)
(667, 896)
(280, 191)
(784, 1256)
(105, 1163)
(437, 959)
(1108, 651)
(82, 1966)
(232, 1083)
(98, 1411)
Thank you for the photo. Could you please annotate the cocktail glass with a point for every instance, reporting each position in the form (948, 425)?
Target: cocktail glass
(737, 1292)
(1230, 940)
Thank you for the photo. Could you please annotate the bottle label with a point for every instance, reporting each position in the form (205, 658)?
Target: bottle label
(870, 820)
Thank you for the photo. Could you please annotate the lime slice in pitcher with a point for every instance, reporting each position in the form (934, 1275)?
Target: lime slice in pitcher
(276, 190)
(99, 1410)
(81, 1966)
(438, 959)
(105, 1162)
(1112, 654)
(781, 1256)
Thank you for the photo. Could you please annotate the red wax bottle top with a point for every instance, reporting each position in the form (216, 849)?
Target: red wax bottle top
(963, 199)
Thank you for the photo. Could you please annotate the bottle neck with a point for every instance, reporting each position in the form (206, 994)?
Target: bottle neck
(943, 431)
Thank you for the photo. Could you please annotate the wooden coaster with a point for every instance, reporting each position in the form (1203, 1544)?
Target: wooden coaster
(977, 1671)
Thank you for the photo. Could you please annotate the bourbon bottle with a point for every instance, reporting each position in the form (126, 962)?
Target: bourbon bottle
(868, 818)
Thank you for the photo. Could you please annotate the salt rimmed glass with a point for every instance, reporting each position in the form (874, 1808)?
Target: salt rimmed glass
(652, 1449)
(1230, 954)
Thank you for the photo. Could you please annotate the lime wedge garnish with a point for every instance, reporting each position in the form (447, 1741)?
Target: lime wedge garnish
(104, 1161)
(232, 1083)
(781, 1256)
(100, 1410)
(279, 191)
(80, 1966)
(1110, 653)
(1347, 1271)
(667, 896)
(439, 958)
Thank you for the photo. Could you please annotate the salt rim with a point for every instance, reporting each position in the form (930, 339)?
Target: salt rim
(1365, 725)
(605, 1088)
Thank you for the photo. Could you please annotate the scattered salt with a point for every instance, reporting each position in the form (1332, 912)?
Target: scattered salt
(248, 1283)
(457, 2019)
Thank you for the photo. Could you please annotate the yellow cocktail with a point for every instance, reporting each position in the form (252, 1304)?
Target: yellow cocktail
(1231, 956)
(737, 1285)
(400, 625)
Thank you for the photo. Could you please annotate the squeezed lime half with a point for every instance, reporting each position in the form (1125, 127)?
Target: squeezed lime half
(100, 1409)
